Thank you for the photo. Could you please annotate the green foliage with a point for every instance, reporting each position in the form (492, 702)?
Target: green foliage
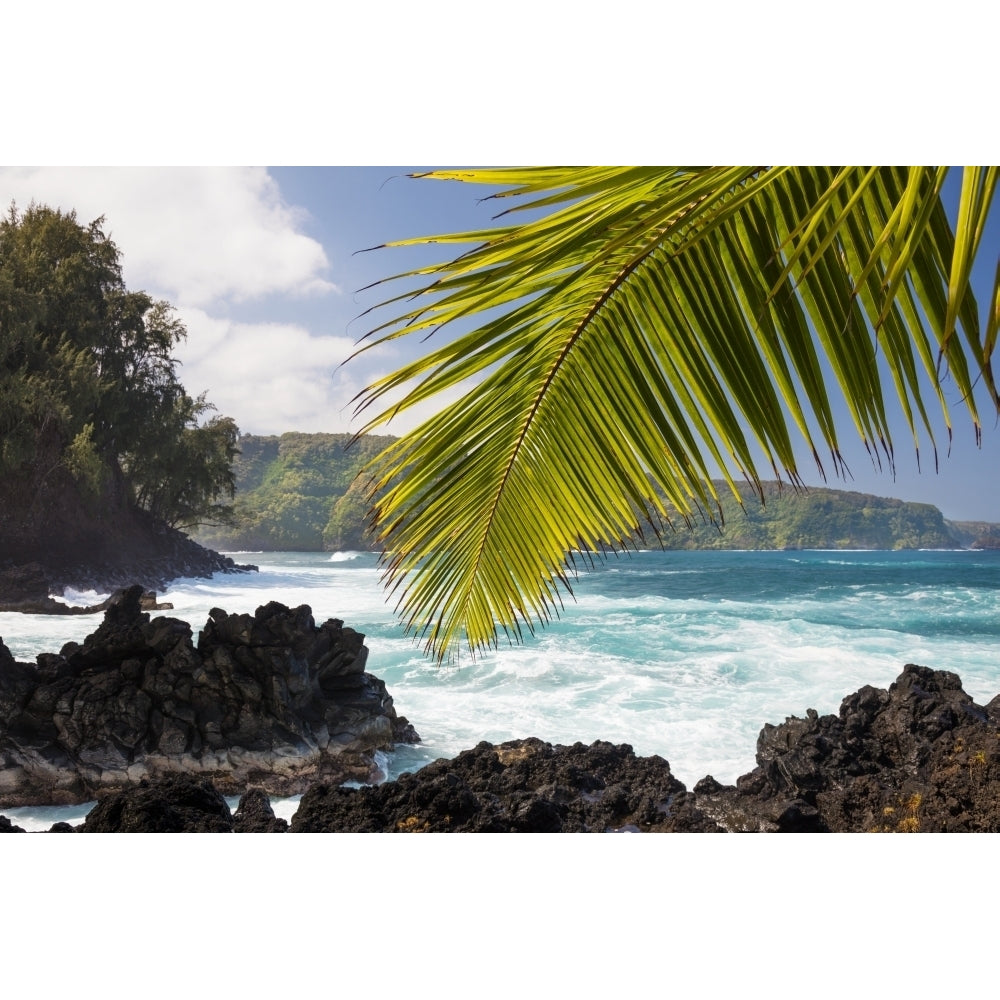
(348, 527)
(818, 519)
(290, 495)
(298, 492)
(85, 464)
(185, 467)
(644, 327)
(86, 368)
(54, 275)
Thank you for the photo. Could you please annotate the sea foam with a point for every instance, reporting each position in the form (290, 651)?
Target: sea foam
(681, 654)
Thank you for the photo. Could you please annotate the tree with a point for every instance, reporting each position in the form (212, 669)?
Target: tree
(54, 276)
(643, 326)
(183, 468)
(88, 383)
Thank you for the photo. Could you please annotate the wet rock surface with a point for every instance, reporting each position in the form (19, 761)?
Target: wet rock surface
(522, 786)
(921, 756)
(267, 700)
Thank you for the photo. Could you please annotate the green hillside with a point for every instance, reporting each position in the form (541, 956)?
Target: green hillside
(298, 492)
(293, 493)
(818, 518)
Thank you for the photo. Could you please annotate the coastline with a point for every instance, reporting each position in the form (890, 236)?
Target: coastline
(920, 757)
(678, 641)
(270, 700)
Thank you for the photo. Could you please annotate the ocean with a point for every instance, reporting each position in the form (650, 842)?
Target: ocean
(681, 654)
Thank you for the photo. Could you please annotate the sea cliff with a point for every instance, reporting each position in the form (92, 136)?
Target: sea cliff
(301, 492)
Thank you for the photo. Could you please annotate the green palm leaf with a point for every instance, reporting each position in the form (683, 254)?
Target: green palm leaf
(644, 326)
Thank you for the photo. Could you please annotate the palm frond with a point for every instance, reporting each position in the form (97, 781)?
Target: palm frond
(650, 324)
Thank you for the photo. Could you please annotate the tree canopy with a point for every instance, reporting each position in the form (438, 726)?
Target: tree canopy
(644, 327)
(87, 364)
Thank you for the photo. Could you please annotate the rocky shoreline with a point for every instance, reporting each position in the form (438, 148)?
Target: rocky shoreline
(270, 700)
(154, 558)
(921, 756)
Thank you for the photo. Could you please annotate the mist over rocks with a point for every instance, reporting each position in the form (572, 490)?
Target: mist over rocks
(269, 700)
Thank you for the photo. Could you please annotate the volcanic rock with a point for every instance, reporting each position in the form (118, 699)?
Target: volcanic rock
(921, 756)
(268, 700)
(522, 786)
(178, 803)
(255, 815)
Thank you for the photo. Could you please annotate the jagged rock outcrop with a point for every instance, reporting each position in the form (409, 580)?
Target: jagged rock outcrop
(268, 700)
(921, 756)
(174, 804)
(522, 786)
(255, 815)
(181, 803)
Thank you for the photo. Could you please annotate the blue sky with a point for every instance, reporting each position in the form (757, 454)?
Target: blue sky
(265, 268)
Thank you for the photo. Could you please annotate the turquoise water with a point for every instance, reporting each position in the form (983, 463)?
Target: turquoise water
(681, 654)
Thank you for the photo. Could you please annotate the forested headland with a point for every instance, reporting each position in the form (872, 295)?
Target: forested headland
(300, 492)
(820, 518)
(104, 455)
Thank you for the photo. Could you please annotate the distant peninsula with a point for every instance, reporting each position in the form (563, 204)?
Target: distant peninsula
(821, 518)
(300, 492)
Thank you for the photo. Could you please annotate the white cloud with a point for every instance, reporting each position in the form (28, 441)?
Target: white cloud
(413, 416)
(269, 377)
(195, 235)
(204, 238)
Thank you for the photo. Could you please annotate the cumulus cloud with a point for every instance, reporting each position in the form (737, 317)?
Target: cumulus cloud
(270, 377)
(195, 235)
(205, 238)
